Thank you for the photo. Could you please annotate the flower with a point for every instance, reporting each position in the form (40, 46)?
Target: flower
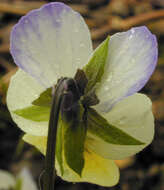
(53, 42)
(23, 181)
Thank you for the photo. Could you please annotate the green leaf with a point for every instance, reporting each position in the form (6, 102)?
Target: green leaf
(74, 139)
(34, 113)
(59, 145)
(100, 127)
(94, 70)
(44, 99)
(18, 185)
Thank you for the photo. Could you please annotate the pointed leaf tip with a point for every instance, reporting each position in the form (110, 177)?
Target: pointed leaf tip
(100, 127)
(34, 113)
(94, 70)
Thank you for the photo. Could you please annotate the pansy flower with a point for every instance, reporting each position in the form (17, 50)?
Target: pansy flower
(54, 42)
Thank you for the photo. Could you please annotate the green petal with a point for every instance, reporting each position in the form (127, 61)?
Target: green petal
(18, 185)
(100, 127)
(34, 113)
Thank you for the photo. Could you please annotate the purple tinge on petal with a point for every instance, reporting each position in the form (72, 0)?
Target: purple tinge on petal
(27, 26)
(149, 69)
(131, 61)
(45, 43)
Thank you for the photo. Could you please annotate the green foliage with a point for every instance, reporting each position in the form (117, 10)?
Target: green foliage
(34, 113)
(94, 70)
(44, 99)
(74, 139)
(18, 185)
(100, 127)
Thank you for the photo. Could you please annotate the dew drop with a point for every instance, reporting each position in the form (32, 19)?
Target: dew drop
(82, 45)
(57, 67)
(78, 60)
(131, 36)
(23, 40)
(36, 96)
(133, 61)
(106, 88)
(64, 11)
(121, 122)
(109, 77)
(132, 31)
(58, 20)
(26, 21)
(76, 30)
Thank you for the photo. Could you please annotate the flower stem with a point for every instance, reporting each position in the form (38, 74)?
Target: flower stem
(49, 175)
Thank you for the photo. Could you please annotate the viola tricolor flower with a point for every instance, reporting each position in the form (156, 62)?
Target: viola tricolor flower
(108, 120)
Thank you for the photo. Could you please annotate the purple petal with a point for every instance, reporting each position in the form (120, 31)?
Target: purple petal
(131, 61)
(51, 42)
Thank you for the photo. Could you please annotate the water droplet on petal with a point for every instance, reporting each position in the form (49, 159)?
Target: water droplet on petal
(23, 40)
(82, 45)
(78, 60)
(106, 88)
(132, 31)
(131, 36)
(26, 21)
(133, 61)
(58, 20)
(36, 96)
(76, 30)
(121, 122)
(109, 77)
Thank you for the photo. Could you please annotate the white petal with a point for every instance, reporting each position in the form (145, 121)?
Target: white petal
(22, 90)
(131, 60)
(51, 42)
(134, 116)
(6, 180)
(27, 181)
(96, 170)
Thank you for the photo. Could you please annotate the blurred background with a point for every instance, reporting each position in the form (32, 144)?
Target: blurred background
(104, 17)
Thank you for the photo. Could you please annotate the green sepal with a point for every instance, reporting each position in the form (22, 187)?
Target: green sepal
(100, 127)
(44, 99)
(18, 185)
(59, 145)
(34, 113)
(94, 70)
(74, 139)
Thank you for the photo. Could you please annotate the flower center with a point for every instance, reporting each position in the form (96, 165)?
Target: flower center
(74, 95)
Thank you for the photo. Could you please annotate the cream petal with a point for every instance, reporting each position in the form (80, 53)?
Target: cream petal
(96, 170)
(27, 180)
(6, 180)
(131, 60)
(23, 89)
(39, 142)
(134, 116)
(51, 42)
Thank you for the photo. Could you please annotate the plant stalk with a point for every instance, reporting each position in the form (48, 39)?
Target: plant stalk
(49, 174)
